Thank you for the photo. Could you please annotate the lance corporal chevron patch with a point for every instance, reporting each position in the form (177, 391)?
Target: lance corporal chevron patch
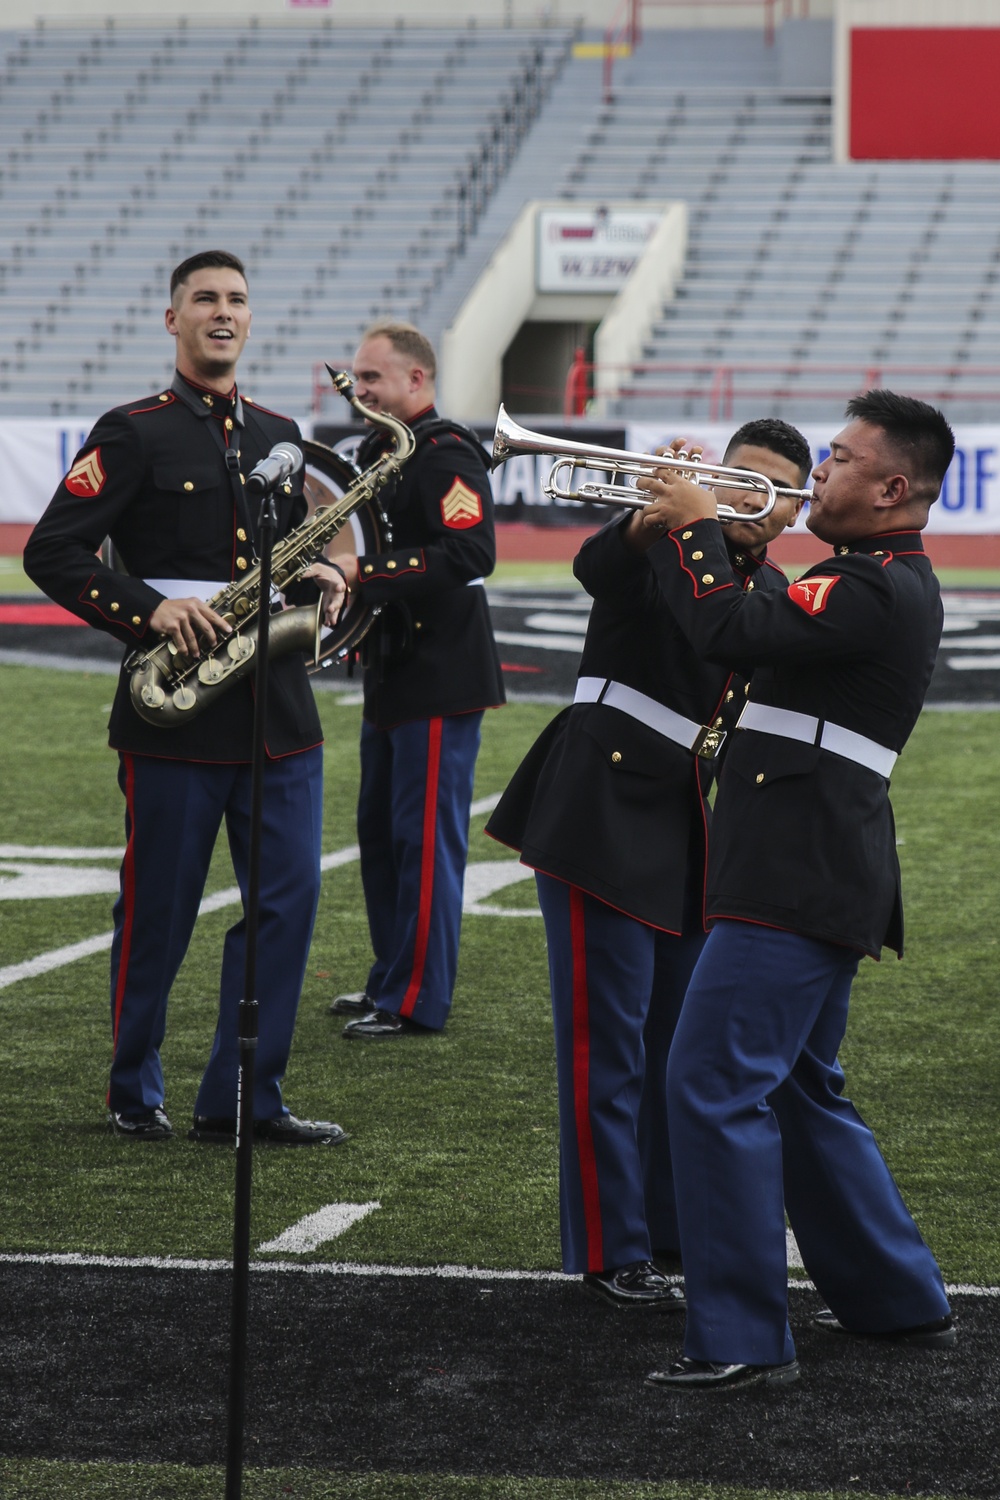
(461, 506)
(87, 475)
(812, 594)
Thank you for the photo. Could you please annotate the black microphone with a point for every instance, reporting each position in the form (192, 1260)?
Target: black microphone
(283, 460)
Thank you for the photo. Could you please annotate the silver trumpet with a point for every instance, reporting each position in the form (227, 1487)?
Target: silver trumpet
(511, 440)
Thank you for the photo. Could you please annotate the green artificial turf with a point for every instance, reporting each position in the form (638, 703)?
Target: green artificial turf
(477, 1103)
(37, 1479)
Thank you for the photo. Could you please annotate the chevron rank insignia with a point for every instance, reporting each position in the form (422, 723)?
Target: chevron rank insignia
(461, 507)
(87, 475)
(812, 594)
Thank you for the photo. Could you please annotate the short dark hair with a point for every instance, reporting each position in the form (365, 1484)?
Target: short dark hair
(918, 433)
(205, 259)
(777, 436)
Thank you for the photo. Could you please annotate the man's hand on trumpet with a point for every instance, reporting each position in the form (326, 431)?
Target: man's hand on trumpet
(674, 499)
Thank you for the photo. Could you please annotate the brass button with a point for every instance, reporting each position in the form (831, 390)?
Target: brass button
(729, 696)
(243, 479)
(241, 535)
(843, 551)
(418, 624)
(750, 586)
(287, 489)
(616, 756)
(115, 608)
(137, 619)
(241, 563)
(718, 722)
(414, 562)
(878, 554)
(697, 556)
(746, 689)
(686, 535)
(208, 400)
(228, 424)
(760, 777)
(164, 397)
(390, 565)
(369, 568)
(708, 577)
(94, 594)
(188, 485)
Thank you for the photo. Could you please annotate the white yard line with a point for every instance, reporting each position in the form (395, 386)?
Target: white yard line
(57, 958)
(351, 1268)
(316, 1229)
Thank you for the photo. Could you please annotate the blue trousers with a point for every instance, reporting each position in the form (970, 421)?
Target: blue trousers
(617, 987)
(758, 1125)
(413, 831)
(173, 813)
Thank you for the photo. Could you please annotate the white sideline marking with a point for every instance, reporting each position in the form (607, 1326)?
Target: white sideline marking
(315, 1229)
(56, 958)
(794, 1258)
(72, 1259)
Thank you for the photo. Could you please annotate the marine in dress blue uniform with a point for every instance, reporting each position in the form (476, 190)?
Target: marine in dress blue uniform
(431, 669)
(803, 881)
(610, 809)
(163, 477)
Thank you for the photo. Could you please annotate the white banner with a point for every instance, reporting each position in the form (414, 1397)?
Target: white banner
(36, 453)
(590, 250)
(970, 498)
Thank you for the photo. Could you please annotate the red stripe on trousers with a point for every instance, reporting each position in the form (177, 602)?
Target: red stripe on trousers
(128, 877)
(435, 729)
(581, 1085)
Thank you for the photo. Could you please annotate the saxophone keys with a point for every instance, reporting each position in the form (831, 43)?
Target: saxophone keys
(211, 670)
(238, 647)
(184, 699)
(153, 696)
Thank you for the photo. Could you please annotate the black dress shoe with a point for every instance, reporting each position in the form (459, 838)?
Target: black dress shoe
(698, 1375)
(153, 1125)
(381, 1024)
(940, 1333)
(639, 1286)
(359, 1003)
(287, 1131)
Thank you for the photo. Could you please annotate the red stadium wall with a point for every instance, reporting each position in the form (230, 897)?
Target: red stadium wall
(929, 94)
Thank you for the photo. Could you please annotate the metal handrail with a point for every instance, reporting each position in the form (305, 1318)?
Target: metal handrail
(625, 29)
(718, 384)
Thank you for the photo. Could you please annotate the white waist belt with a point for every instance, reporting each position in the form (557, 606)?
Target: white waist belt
(812, 731)
(185, 588)
(695, 737)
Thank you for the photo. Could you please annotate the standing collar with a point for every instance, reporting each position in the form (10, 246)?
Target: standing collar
(882, 544)
(206, 403)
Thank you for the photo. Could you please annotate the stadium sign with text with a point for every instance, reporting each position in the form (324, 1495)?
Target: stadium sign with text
(590, 250)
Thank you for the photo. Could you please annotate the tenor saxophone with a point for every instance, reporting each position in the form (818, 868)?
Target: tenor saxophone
(168, 688)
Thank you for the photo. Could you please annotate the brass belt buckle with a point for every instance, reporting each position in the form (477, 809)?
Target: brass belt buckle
(708, 742)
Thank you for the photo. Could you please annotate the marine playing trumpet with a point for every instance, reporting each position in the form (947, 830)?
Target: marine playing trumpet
(510, 440)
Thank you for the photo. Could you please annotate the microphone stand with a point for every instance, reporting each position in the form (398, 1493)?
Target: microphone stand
(248, 1025)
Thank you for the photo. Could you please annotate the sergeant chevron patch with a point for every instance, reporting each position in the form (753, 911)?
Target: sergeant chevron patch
(461, 507)
(86, 477)
(811, 594)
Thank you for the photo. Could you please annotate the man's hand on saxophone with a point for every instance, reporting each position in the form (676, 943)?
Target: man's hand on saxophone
(334, 580)
(183, 621)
